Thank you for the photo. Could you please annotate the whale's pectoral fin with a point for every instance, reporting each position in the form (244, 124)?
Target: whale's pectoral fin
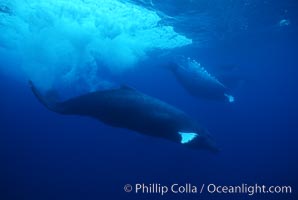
(230, 98)
(47, 101)
(187, 137)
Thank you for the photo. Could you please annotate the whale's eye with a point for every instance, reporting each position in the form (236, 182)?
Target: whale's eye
(186, 137)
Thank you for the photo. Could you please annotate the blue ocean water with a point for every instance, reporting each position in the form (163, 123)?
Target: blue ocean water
(80, 46)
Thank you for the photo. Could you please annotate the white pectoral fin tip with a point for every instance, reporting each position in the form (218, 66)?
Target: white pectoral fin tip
(187, 137)
(231, 99)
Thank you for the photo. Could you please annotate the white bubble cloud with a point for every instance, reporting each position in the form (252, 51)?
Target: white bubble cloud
(69, 40)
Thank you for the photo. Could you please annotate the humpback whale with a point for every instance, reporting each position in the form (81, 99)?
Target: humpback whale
(198, 82)
(5, 9)
(128, 108)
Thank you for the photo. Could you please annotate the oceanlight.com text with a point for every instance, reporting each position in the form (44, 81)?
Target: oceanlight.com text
(189, 188)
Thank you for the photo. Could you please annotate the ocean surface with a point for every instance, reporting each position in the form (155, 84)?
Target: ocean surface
(80, 46)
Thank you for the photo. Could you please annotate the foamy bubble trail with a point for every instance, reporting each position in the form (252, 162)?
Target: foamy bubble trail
(70, 41)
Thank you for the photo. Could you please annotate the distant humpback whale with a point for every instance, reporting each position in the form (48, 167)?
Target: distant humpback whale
(127, 108)
(198, 82)
(5, 9)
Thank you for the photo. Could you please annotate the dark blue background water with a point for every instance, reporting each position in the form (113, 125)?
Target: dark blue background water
(44, 155)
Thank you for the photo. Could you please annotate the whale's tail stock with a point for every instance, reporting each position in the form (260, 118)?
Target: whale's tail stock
(49, 100)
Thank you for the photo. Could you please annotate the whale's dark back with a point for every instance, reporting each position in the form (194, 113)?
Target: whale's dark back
(125, 108)
(128, 108)
(133, 110)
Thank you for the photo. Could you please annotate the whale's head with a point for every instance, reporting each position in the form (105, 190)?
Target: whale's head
(200, 140)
